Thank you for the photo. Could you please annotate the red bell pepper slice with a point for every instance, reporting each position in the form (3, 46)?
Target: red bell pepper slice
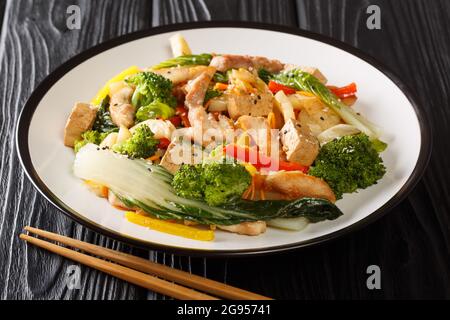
(163, 143)
(346, 91)
(275, 87)
(261, 161)
(176, 121)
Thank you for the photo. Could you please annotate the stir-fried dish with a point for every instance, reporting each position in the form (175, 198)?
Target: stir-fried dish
(220, 141)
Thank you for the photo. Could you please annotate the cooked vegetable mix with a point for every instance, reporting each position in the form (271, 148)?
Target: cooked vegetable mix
(201, 142)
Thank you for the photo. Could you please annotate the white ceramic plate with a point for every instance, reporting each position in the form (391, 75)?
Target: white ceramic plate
(382, 98)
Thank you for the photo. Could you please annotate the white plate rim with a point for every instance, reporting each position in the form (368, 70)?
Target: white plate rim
(21, 138)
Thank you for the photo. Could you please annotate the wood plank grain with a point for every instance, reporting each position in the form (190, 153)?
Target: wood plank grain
(35, 41)
(411, 244)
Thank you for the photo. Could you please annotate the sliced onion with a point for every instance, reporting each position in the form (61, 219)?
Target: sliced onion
(337, 131)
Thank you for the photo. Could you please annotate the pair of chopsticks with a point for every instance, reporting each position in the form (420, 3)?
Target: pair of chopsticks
(150, 275)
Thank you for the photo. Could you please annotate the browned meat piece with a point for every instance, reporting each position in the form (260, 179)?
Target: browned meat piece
(246, 228)
(80, 120)
(298, 143)
(292, 185)
(231, 61)
(122, 111)
(197, 88)
(205, 129)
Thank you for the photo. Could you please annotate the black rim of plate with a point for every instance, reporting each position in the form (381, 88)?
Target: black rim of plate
(32, 103)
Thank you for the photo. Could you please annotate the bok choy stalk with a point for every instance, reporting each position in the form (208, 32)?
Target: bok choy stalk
(140, 183)
(304, 81)
(190, 59)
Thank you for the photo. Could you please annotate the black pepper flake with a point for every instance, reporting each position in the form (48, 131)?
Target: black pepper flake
(259, 97)
(321, 118)
(255, 101)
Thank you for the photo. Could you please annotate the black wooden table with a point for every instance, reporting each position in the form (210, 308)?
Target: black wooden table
(411, 244)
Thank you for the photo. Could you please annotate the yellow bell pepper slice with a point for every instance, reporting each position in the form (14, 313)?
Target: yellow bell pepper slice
(105, 90)
(250, 168)
(306, 94)
(170, 227)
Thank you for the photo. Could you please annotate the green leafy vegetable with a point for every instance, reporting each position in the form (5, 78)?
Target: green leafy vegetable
(348, 163)
(151, 87)
(264, 75)
(211, 93)
(103, 121)
(304, 81)
(191, 59)
(315, 210)
(216, 183)
(142, 144)
(154, 110)
(188, 182)
(221, 77)
(148, 186)
(89, 136)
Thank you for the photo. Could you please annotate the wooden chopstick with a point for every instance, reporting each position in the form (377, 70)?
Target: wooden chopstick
(121, 272)
(140, 264)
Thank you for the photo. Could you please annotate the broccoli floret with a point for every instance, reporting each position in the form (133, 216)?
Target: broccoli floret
(151, 87)
(348, 163)
(142, 144)
(90, 136)
(188, 181)
(215, 183)
(224, 182)
(154, 110)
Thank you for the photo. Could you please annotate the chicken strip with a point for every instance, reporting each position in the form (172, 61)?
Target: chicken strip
(291, 185)
(231, 61)
(121, 109)
(205, 129)
(246, 228)
(197, 88)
